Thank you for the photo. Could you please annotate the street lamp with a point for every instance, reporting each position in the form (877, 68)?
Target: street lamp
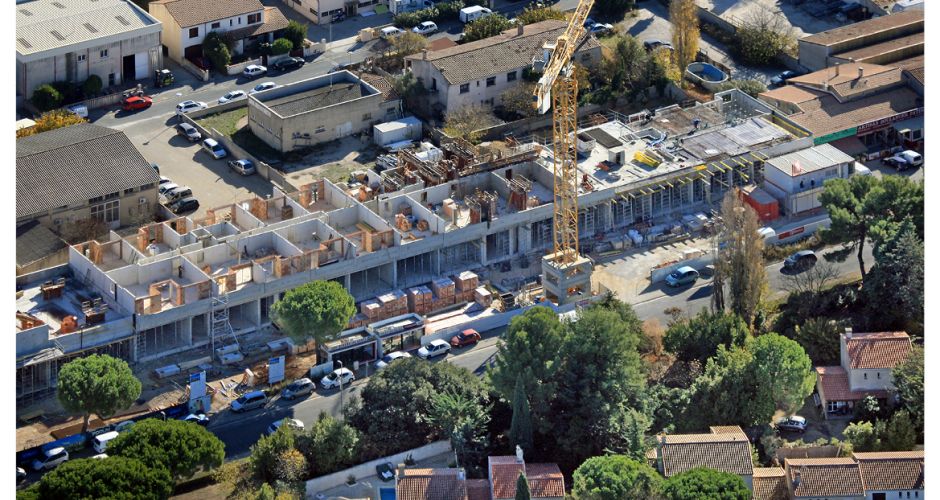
(340, 367)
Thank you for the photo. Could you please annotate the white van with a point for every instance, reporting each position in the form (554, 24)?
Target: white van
(472, 13)
(390, 32)
(100, 443)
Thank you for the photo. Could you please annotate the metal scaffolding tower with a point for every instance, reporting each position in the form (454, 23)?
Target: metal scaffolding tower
(221, 327)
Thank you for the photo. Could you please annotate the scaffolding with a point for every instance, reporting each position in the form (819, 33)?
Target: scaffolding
(221, 326)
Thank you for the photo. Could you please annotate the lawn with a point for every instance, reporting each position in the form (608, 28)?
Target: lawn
(225, 122)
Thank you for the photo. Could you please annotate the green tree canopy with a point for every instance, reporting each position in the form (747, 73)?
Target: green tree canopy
(463, 420)
(724, 394)
(899, 434)
(522, 488)
(183, 448)
(520, 429)
(705, 484)
(266, 455)
(97, 384)
(281, 46)
(112, 477)
(614, 477)
(531, 15)
(215, 48)
(749, 86)
(895, 285)
(486, 27)
(317, 310)
(820, 338)
(296, 32)
(863, 437)
(329, 446)
(697, 338)
(763, 36)
(626, 70)
(909, 384)
(92, 86)
(46, 97)
(782, 371)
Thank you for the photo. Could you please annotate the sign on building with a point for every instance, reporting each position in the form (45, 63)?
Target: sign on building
(276, 370)
(197, 385)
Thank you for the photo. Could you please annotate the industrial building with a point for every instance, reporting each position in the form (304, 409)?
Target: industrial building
(878, 41)
(187, 283)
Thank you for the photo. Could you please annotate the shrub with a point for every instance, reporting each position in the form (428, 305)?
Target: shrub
(57, 118)
(296, 32)
(750, 86)
(45, 97)
(92, 86)
(215, 49)
(281, 46)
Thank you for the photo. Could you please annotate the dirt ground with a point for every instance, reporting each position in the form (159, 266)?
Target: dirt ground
(334, 161)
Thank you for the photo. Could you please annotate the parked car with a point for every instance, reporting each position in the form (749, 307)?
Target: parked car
(78, 109)
(188, 204)
(388, 358)
(20, 475)
(602, 28)
(244, 167)
(249, 401)
(465, 338)
(293, 423)
(390, 32)
(215, 149)
(177, 193)
(335, 377)
(904, 160)
(794, 423)
(782, 78)
(254, 71)
(197, 418)
(289, 63)
(804, 259)
(100, 456)
(589, 22)
(100, 442)
(298, 388)
(435, 348)
(683, 276)
(167, 187)
(50, 459)
(188, 131)
(655, 44)
(136, 103)
(235, 95)
(190, 106)
(261, 87)
(425, 28)
(164, 180)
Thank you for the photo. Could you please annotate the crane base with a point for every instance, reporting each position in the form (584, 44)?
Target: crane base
(566, 282)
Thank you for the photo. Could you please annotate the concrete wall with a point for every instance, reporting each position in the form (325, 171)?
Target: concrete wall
(873, 380)
(323, 483)
(657, 275)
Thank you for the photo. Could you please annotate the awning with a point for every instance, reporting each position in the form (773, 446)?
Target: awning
(915, 123)
(851, 146)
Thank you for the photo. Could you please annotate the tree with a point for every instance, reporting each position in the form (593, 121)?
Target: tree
(92, 86)
(895, 285)
(683, 14)
(522, 488)
(724, 394)
(614, 477)
(485, 27)
(463, 419)
(763, 36)
(862, 436)
(46, 97)
(820, 338)
(899, 434)
(281, 46)
(183, 448)
(518, 100)
(749, 86)
(468, 121)
(402, 395)
(740, 257)
(112, 477)
(909, 384)
(812, 280)
(782, 370)
(329, 446)
(520, 430)
(317, 310)
(265, 459)
(599, 378)
(97, 384)
(408, 43)
(626, 70)
(528, 352)
(613, 9)
(290, 465)
(703, 483)
(215, 48)
(698, 338)
(410, 90)
(51, 120)
(531, 15)
(296, 32)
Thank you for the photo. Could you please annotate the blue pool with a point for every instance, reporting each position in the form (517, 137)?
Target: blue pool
(387, 493)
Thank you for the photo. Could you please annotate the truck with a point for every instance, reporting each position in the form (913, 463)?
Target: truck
(904, 160)
(472, 13)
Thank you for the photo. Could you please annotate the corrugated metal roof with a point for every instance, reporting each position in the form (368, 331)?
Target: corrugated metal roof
(810, 159)
(45, 24)
(34, 241)
(74, 164)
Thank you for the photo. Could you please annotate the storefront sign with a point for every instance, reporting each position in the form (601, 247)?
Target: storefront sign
(849, 132)
(884, 122)
(793, 232)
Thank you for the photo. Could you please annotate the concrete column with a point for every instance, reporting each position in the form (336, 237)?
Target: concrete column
(513, 244)
(729, 178)
(436, 261)
(394, 280)
(483, 250)
(525, 238)
(186, 328)
(253, 312)
(607, 217)
(348, 280)
(691, 187)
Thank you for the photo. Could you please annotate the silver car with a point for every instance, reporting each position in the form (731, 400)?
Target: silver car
(298, 388)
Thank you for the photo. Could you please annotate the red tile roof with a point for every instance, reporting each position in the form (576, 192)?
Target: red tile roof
(503, 477)
(899, 470)
(770, 483)
(821, 477)
(865, 28)
(478, 489)
(727, 452)
(878, 350)
(545, 480)
(430, 484)
(833, 384)
(826, 114)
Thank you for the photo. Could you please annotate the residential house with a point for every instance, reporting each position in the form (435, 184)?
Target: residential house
(187, 22)
(439, 484)
(770, 483)
(892, 474)
(819, 478)
(545, 480)
(725, 448)
(816, 51)
(480, 72)
(796, 179)
(864, 476)
(324, 11)
(70, 40)
(866, 363)
(79, 172)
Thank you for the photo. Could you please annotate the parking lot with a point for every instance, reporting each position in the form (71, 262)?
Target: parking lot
(802, 22)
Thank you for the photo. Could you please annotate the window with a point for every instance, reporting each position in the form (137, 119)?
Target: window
(148, 186)
(464, 88)
(106, 212)
(128, 191)
(232, 23)
(254, 18)
(80, 58)
(511, 76)
(491, 81)
(96, 199)
(194, 32)
(111, 79)
(367, 117)
(878, 375)
(103, 53)
(865, 376)
(112, 195)
(216, 25)
(433, 83)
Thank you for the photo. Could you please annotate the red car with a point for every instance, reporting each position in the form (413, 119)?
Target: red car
(136, 103)
(465, 338)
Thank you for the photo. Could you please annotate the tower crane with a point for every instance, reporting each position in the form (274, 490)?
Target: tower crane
(565, 270)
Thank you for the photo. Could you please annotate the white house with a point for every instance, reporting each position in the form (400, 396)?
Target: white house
(323, 11)
(796, 179)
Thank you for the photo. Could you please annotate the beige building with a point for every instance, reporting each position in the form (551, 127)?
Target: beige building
(323, 11)
(480, 72)
(69, 40)
(725, 448)
(80, 172)
(863, 476)
(321, 109)
(874, 38)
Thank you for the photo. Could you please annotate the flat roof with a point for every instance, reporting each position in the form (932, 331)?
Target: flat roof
(917, 39)
(865, 28)
(315, 99)
(810, 159)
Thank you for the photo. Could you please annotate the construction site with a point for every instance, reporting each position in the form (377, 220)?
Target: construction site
(431, 233)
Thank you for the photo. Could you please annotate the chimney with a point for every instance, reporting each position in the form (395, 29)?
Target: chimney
(424, 54)
(519, 459)
(848, 333)
(519, 29)
(797, 480)
(461, 474)
(401, 471)
(861, 71)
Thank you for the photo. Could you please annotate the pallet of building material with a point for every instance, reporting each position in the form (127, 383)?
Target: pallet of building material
(467, 280)
(482, 296)
(443, 287)
(370, 308)
(419, 297)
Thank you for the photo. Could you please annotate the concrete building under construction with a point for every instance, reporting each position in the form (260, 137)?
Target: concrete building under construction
(188, 283)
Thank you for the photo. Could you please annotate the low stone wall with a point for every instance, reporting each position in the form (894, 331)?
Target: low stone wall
(657, 275)
(195, 70)
(236, 69)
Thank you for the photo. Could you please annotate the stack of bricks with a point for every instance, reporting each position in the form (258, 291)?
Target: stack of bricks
(466, 282)
(371, 310)
(482, 296)
(394, 303)
(444, 293)
(358, 320)
(419, 299)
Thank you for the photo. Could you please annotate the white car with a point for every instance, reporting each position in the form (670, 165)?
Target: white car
(333, 379)
(390, 357)
(261, 87)
(425, 28)
(254, 71)
(293, 423)
(50, 459)
(235, 95)
(188, 106)
(79, 110)
(436, 348)
(602, 28)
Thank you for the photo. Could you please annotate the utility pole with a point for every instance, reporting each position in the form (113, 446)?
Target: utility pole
(341, 405)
